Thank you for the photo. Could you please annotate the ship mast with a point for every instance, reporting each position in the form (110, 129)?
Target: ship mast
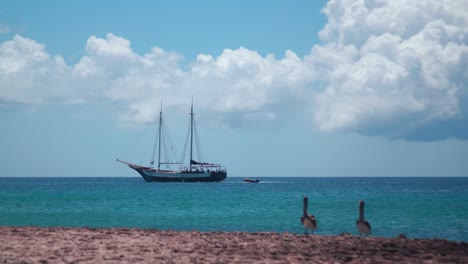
(159, 139)
(191, 133)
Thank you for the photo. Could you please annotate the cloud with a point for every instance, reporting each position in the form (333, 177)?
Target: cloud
(392, 68)
(395, 69)
(234, 88)
(238, 87)
(28, 74)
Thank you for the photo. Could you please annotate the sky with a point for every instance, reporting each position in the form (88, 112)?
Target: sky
(280, 88)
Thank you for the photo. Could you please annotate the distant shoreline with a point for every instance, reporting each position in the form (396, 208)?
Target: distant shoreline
(110, 245)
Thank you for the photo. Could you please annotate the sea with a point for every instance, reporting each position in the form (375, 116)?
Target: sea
(418, 207)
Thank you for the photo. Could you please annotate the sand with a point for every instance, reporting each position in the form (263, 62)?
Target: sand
(121, 245)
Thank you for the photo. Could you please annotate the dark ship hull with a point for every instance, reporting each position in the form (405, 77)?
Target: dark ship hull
(153, 175)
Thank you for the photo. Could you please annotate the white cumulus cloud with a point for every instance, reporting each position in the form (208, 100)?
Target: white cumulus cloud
(390, 67)
(28, 74)
(237, 86)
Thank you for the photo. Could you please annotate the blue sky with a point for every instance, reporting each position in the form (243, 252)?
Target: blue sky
(288, 88)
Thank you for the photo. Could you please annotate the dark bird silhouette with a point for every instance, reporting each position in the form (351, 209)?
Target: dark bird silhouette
(362, 225)
(308, 220)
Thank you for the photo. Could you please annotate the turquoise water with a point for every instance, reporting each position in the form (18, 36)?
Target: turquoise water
(417, 207)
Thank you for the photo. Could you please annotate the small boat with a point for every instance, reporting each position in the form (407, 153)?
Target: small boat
(196, 171)
(251, 180)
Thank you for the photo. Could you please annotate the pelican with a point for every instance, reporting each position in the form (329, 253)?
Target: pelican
(362, 225)
(308, 220)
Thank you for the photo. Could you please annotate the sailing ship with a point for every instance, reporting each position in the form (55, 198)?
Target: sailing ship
(196, 171)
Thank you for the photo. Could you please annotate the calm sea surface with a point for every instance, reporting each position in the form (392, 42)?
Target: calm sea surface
(417, 207)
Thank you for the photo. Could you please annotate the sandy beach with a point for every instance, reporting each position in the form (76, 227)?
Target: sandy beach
(112, 245)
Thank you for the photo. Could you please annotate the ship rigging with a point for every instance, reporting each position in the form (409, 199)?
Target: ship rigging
(196, 171)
